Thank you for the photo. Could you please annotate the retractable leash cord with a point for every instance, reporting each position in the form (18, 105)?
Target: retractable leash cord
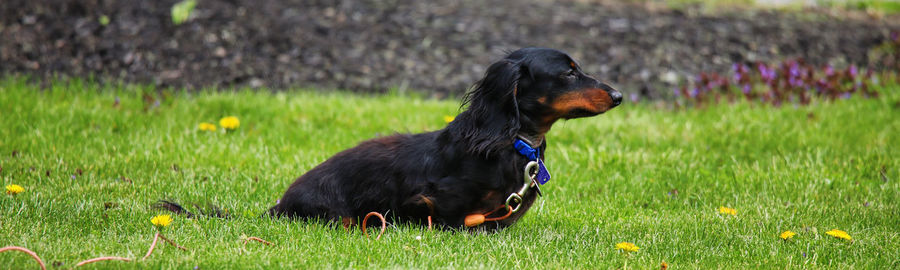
(98, 259)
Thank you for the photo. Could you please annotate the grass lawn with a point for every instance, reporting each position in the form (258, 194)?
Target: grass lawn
(652, 177)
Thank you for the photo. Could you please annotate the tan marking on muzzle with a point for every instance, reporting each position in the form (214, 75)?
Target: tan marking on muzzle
(594, 100)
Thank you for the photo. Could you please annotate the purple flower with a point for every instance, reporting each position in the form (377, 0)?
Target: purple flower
(767, 74)
(845, 95)
(676, 91)
(746, 88)
(739, 71)
(634, 97)
(762, 69)
(794, 69)
(853, 72)
(278, 201)
(894, 36)
(73, 177)
(796, 82)
(694, 92)
(829, 71)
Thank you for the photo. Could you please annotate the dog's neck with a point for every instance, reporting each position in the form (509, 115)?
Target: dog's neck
(534, 141)
(531, 132)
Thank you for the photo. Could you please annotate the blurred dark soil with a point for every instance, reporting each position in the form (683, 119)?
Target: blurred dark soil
(440, 47)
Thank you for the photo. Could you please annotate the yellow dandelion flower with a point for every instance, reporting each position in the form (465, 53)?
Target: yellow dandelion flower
(839, 234)
(627, 247)
(14, 189)
(229, 122)
(161, 220)
(726, 210)
(207, 127)
(448, 119)
(787, 235)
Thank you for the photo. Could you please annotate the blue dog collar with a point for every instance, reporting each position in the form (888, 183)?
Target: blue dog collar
(532, 179)
(526, 150)
(533, 154)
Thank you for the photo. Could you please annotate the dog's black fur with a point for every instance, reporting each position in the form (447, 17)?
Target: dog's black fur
(466, 168)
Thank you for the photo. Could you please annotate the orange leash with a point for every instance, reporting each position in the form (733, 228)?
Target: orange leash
(257, 239)
(26, 251)
(102, 259)
(152, 246)
(155, 240)
(383, 224)
(477, 219)
(99, 259)
(508, 213)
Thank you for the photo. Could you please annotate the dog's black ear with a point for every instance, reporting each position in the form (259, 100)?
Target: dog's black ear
(492, 118)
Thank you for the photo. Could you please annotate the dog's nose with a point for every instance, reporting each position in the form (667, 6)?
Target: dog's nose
(616, 97)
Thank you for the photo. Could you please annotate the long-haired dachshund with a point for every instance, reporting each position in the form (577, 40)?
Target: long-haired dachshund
(471, 173)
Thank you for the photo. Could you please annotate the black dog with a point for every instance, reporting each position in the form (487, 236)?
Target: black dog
(473, 167)
(469, 167)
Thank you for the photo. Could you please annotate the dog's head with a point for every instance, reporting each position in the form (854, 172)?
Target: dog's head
(551, 86)
(528, 91)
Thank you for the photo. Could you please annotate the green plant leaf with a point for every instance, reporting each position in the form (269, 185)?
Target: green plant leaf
(104, 20)
(182, 11)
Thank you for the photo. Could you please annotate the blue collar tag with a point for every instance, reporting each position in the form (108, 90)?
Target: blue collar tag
(543, 175)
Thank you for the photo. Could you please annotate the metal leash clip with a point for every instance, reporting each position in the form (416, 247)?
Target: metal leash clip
(517, 197)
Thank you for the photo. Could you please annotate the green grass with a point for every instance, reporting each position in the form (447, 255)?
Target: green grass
(805, 169)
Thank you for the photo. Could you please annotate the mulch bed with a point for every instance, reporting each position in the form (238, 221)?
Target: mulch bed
(439, 47)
